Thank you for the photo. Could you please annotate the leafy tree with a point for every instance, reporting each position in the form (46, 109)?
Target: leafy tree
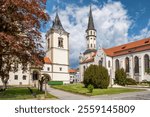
(44, 79)
(96, 76)
(20, 37)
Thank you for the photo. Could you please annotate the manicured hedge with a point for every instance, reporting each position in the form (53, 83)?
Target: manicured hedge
(130, 81)
(55, 83)
(96, 76)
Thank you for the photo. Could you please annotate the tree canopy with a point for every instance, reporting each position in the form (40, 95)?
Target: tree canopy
(20, 37)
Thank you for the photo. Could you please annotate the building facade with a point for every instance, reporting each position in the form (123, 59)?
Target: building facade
(133, 57)
(56, 60)
(74, 75)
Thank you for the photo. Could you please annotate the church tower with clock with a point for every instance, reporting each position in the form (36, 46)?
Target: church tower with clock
(58, 51)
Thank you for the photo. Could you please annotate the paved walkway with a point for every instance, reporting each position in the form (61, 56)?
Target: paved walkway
(62, 95)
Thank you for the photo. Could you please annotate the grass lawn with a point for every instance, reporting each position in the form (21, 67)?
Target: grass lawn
(79, 88)
(21, 93)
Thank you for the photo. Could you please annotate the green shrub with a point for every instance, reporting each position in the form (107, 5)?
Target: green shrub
(120, 77)
(146, 82)
(130, 81)
(96, 76)
(90, 88)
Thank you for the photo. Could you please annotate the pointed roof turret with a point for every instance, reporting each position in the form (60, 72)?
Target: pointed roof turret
(57, 23)
(91, 23)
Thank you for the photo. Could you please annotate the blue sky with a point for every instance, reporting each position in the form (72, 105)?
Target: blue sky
(120, 21)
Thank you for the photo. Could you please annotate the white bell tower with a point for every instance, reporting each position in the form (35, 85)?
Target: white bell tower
(91, 32)
(58, 51)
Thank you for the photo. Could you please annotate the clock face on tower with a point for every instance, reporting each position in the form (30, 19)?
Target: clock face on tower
(60, 32)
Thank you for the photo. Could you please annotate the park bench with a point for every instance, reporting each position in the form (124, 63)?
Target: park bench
(31, 91)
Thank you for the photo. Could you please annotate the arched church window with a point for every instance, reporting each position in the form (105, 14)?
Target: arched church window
(146, 63)
(117, 64)
(91, 32)
(127, 65)
(101, 62)
(91, 45)
(109, 64)
(136, 63)
(60, 42)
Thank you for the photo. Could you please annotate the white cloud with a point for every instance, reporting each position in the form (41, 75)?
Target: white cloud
(144, 33)
(95, 1)
(81, 1)
(111, 22)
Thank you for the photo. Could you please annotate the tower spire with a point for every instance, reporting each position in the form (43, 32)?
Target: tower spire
(91, 23)
(57, 25)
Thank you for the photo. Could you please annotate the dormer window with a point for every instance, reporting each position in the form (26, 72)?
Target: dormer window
(123, 47)
(147, 41)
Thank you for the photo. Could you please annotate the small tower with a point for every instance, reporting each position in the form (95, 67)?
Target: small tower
(58, 51)
(91, 32)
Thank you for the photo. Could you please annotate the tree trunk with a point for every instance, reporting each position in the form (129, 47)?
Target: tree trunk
(45, 90)
(41, 85)
(4, 85)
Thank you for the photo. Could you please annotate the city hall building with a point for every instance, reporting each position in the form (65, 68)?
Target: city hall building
(56, 60)
(133, 57)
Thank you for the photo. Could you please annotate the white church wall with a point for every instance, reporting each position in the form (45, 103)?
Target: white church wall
(140, 55)
(81, 68)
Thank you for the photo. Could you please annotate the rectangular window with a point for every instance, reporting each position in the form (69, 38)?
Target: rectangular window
(16, 77)
(60, 68)
(60, 42)
(48, 69)
(24, 77)
(48, 43)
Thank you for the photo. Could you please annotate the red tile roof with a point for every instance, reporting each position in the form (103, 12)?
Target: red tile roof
(88, 60)
(132, 47)
(47, 60)
(72, 71)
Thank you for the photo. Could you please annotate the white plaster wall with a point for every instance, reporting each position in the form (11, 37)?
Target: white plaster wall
(47, 66)
(55, 40)
(61, 77)
(20, 74)
(56, 68)
(60, 56)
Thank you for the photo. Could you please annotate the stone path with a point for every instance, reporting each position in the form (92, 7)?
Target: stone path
(62, 95)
